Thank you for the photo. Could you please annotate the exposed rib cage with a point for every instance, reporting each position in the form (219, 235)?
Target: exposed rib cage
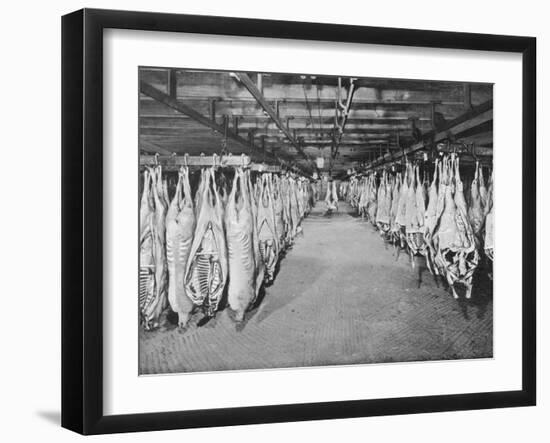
(267, 234)
(206, 270)
(153, 266)
(206, 277)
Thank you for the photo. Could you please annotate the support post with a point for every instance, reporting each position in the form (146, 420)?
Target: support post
(236, 119)
(172, 83)
(467, 97)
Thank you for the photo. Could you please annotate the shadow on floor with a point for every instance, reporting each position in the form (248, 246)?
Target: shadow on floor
(281, 296)
(482, 294)
(53, 417)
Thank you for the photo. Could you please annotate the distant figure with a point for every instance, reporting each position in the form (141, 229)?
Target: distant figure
(331, 200)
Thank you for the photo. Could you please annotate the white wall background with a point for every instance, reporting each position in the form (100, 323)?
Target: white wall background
(30, 219)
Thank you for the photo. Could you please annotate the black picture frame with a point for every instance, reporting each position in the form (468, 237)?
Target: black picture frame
(82, 219)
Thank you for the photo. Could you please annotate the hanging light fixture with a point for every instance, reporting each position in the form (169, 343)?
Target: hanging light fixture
(320, 162)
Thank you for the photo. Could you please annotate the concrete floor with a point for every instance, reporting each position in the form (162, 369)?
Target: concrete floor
(340, 298)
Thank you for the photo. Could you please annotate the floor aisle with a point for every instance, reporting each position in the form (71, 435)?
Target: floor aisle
(340, 297)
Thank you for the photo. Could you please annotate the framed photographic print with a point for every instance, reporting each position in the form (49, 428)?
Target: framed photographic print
(271, 221)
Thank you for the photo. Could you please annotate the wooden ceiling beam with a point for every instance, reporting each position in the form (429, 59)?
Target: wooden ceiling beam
(152, 148)
(475, 117)
(271, 134)
(297, 122)
(324, 101)
(257, 94)
(204, 77)
(253, 109)
(270, 131)
(171, 102)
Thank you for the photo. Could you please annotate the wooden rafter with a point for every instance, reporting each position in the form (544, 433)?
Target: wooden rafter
(477, 116)
(170, 101)
(147, 146)
(173, 103)
(256, 93)
(325, 102)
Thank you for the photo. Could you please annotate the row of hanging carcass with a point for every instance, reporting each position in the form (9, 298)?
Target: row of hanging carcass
(431, 220)
(222, 243)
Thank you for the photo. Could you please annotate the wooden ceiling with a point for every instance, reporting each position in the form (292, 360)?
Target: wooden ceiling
(292, 117)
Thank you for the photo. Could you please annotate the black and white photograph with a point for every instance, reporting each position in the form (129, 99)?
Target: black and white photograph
(244, 222)
(292, 220)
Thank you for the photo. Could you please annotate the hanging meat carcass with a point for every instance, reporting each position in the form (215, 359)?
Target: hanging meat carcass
(241, 291)
(278, 209)
(372, 204)
(307, 197)
(334, 195)
(180, 227)
(159, 241)
(384, 204)
(267, 232)
(158, 183)
(300, 200)
(153, 266)
(483, 194)
(288, 220)
(257, 189)
(147, 286)
(400, 218)
(353, 193)
(430, 220)
(200, 191)
(259, 264)
(489, 235)
(294, 208)
(356, 196)
(206, 271)
(331, 198)
(475, 210)
(456, 253)
(394, 226)
(363, 198)
(414, 215)
(223, 191)
(343, 190)
(489, 222)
